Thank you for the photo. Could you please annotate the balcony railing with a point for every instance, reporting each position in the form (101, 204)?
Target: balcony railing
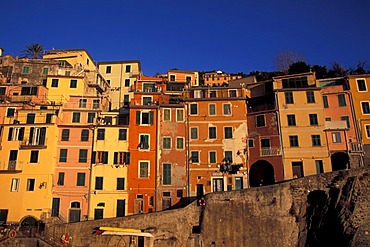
(355, 147)
(41, 143)
(270, 151)
(10, 167)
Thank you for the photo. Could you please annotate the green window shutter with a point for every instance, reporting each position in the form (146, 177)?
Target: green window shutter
(93, 157)
(21, 134)
(151, 117)
(10, 134)
(138, 117)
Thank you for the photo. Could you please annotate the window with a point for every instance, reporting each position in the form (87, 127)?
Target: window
(10, 112)
(365, 107)
(289, 98)
(144, 141)
(84, 135)
(172, 78)
(80, 179)
(238, 183)
(195, 156)
(227, 109)
(30, 118)
(45, 71)
(179, 142)
(342, 100)
(319, 166)
(325, 100)
(251, 143)
(212, 109)
(147, 100)
(310, 95)
(14, 187)
(30, 184)
(60, 179)
(49, 117)
(336, 137)
(26, 70)
(212, 132)
(212, 157)
(228, 132)
(166, 174)
(260, 120)
(144, 117)
(128, 69)
(361, 85)
(212, 94)
(2, 90)
(121, 158)
(100, 134)
(96, 104)
(65, 135)
(179, 115)
(82, 103)
(120, 183)
(122, 134)
(232, 93)
(143, 169)
(218, 184)
(188, 79)
(313, 119)
(29, 91)
(166, 143)
(367, 131)
(229, 156)
(76, 117)
(63, 155)
(101, 157)
(291, 120)
(328, 119)
(90, 117)
(193, 109)
(82, 158)
(73, 83)
(346, 118)
(108, 69)
(34, 156)
(297, 168)
(194, 133)
(167, 114)
(16, 134)
(293, 141)
(98, 183)
(54, 82)
(316, 141)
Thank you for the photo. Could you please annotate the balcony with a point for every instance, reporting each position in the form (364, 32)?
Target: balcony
(355, 147)
(335, 125)
(270, 151)
(33, 144)
(10, 167)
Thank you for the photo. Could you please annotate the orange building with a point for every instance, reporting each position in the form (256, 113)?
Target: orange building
(218, 78)
(216, 139)
(359, 86)
(341, 128)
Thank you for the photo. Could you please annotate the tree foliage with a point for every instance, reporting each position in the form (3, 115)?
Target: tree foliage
(299, 67)
(33, 51)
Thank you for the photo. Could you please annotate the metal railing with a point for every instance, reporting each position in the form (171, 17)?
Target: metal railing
(271, 151)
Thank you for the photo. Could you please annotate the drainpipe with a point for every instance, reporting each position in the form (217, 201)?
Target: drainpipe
(91, 168)
(156, 178)
(187, 136)
(280, 135)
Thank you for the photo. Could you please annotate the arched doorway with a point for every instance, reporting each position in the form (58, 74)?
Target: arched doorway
(28, 221)
(339, 161)
(261, 173)
(75, 212)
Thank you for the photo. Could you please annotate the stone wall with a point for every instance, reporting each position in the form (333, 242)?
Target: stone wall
(331, 209)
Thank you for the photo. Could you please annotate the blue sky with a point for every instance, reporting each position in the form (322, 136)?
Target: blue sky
(231, 35)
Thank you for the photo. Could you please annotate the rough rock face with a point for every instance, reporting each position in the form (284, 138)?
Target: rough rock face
(331, 209)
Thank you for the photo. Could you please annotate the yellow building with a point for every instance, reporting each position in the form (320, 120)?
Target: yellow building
(120, 75)
(27, 159)
(359, 85)
(302, 124)
(218, 78)
(108, 195)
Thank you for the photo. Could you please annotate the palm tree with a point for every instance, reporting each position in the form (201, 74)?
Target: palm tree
(33, 51)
